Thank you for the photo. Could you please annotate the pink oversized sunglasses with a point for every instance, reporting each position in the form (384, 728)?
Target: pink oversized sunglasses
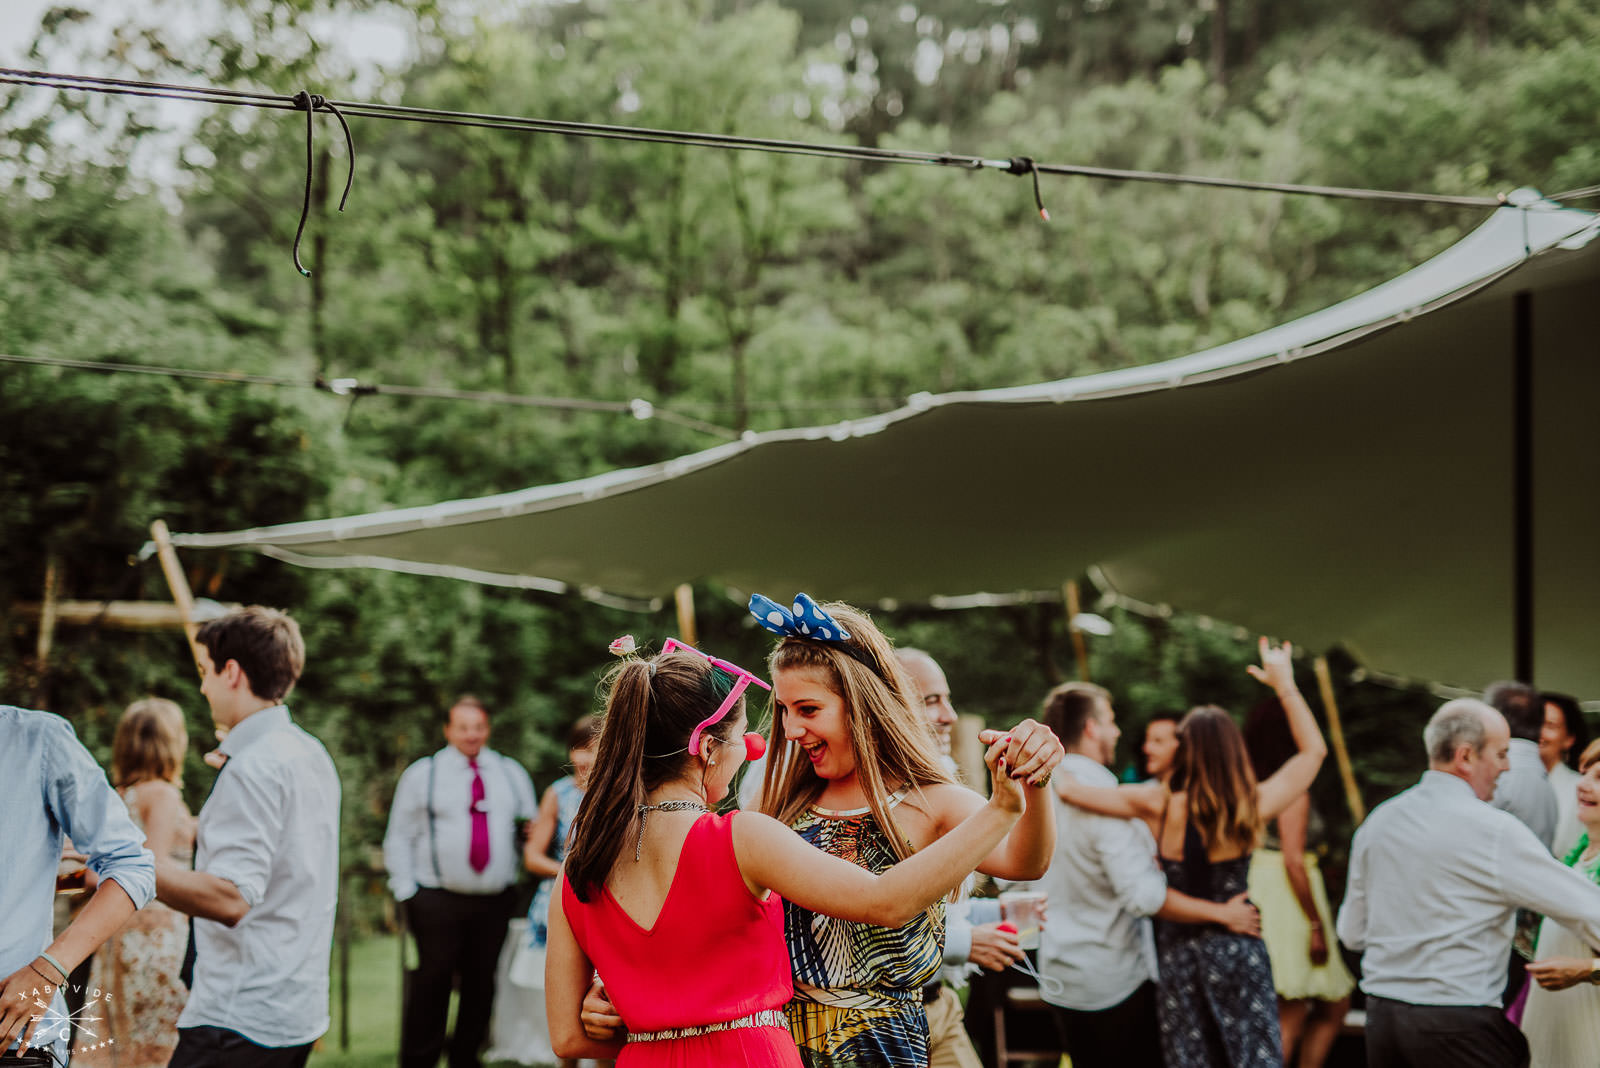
(754, 744)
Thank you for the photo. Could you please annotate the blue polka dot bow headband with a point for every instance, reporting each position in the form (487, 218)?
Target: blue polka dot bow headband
(806, 620)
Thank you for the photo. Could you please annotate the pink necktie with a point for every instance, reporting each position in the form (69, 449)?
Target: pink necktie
(478, 851)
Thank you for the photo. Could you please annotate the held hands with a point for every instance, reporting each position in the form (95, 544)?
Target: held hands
(1277, 667)
(1558, 973)
(1006, 792)
(598, 1015)
(1241, 917)
(994, 947)
(1032, 752)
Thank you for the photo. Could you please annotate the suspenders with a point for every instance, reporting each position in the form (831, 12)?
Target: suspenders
(433, 832)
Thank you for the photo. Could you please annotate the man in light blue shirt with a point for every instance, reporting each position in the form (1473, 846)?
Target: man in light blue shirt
(49, 787)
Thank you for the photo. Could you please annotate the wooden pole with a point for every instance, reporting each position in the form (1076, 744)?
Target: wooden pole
(1341, 753)
(684, 595)
(47, 624)
(115, 615)
(177, 583)
(1080, 648)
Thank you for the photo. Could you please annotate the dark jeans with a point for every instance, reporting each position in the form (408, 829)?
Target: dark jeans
(458, 944)
(217, 1047)
(1402, 1035)
(1124, 1036)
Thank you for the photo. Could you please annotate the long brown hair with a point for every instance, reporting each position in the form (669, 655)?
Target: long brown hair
(1214, 768)
(652, 706)
(888, 733)
(149, 744)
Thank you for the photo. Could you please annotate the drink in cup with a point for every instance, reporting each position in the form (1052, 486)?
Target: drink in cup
(72, 873)
(1024, 910)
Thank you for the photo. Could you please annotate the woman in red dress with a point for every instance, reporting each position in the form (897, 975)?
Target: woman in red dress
(678, 909)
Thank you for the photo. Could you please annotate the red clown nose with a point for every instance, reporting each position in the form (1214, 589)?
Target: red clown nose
(755, 746)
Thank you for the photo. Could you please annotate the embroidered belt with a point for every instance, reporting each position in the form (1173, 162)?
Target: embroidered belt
(764, 1018)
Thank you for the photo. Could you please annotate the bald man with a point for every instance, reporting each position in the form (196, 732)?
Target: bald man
(1436, 877)
(966, 941)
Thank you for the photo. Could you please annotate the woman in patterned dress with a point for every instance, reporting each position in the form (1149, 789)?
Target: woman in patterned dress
(1217, 1006)
(855, 770)
(138, 966)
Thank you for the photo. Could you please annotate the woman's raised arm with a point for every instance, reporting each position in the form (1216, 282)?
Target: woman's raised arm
(1297, 773)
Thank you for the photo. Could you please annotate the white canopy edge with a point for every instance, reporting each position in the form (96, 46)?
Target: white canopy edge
(1512, 236)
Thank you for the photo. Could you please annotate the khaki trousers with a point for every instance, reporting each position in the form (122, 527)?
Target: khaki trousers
(948, 1044)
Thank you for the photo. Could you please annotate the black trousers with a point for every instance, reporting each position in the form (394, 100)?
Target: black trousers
(458, 945)
(1402, 1035)
(1126, 1035)
(217, 1047)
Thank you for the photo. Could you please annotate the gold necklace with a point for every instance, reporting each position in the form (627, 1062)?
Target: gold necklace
(675, 805)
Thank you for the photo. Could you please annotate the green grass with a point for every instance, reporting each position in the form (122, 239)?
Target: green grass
(374, 996)
(374, 1034)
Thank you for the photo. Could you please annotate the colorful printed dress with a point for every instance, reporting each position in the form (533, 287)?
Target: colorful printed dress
(713, 957)
(857, 987)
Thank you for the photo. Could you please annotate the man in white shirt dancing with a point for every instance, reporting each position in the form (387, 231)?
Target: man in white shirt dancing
(265, 885)
(1102, 887)
(1436, 877)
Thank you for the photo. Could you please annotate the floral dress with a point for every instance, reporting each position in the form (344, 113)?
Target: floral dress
(1217, 1007)
(137, 968)
(858, 987)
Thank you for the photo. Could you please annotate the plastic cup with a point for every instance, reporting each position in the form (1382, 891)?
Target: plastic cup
(1024, 910)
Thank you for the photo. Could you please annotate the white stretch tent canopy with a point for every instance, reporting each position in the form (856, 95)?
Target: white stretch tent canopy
(1344, 478)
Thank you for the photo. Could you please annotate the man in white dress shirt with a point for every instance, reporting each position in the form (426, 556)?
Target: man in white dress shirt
(1102, 887)
(453, 862)
(1436, 877)
(973, 933)
(265, 885)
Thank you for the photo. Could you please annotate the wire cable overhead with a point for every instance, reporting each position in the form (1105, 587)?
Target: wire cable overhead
(355, 388)
(1017, 165)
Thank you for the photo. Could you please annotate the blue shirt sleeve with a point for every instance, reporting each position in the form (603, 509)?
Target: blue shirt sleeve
(84, 805)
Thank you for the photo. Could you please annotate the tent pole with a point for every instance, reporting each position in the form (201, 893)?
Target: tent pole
(684, 596)
(1341, 752)
(1080, 648)
(47, 623)
(177, 583)
(1522, 484)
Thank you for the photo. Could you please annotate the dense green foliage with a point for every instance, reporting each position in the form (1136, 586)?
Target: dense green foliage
(750, 291)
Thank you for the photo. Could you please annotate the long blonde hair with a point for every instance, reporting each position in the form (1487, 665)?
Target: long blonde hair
(889, 735)
(149, 744)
